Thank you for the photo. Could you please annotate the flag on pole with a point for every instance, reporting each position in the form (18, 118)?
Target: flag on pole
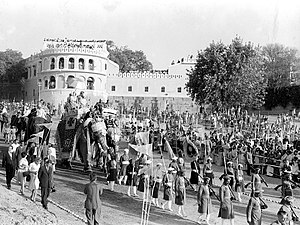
(34, 140)
(40, 134)
(46, 125)
(169, 149)
(143, 149)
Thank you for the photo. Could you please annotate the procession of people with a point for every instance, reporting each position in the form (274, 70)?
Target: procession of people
(234, 139)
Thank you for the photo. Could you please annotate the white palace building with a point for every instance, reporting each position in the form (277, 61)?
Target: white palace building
(64, 66)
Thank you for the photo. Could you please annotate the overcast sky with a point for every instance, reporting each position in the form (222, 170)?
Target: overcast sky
(165, 30)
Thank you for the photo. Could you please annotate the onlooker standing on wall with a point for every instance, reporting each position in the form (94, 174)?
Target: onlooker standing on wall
(93, 202)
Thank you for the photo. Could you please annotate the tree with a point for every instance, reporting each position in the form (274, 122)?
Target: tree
(11, 65)
(16, 72)
(127, 59)
(228, 76)
(279, 61)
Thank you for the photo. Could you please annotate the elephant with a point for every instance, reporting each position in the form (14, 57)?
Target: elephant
(89, 137)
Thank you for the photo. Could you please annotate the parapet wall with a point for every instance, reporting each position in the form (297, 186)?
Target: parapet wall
(146, 75)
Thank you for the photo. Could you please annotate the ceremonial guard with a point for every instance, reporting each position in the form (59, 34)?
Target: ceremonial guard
(249, 161)
(287, 207)
(239, 177)
(286, 186)
(256, 181)
(226, 197)
(286, 167)
(168, 183)
(144, 175)
(208, 171)
(112, 174)
(124, 162)
(254, 209)
(204, 201)
(180, 192)
(132, 178)
(231, 174)
(174, 164)
(282, 218)
(195, 172)
(229, 171)
(157, 178)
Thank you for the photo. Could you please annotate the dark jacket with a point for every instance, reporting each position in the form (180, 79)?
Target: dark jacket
(9, 161)
(93, 192)
(45, 176)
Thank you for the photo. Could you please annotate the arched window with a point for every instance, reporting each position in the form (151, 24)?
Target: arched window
(163, 89)
(46, 84)
(71, 63)
(71, 82)
(40, 66)
(34, 70)
(91, 64)
(52, 82)
(45, 66)
(52, 65)
(90, 83)
(60, 82)
(81, 64)
(29, 72)
(130, 88)
(61, 63)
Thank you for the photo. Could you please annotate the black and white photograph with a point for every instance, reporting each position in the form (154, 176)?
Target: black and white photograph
(150, 112)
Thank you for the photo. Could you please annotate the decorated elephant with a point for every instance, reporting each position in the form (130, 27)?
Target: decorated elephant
(88, 135)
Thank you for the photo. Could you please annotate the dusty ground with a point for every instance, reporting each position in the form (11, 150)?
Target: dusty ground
(15, 209)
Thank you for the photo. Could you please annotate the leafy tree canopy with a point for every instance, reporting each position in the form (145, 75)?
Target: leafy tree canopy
(127, 59)
(279, 61)
(11, 66)
(228, 76)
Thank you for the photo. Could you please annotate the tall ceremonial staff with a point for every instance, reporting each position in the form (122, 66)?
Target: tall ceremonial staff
(145, 206)
(149, 201)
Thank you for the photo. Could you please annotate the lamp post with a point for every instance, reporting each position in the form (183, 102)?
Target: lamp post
(39, 90)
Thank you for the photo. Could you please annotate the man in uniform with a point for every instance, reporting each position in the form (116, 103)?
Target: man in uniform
(282, 218)
(204, 201)
(195, 172)
(226, 197)
(287, 207)
(253, 211)
(249, 161)
(124, 162)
